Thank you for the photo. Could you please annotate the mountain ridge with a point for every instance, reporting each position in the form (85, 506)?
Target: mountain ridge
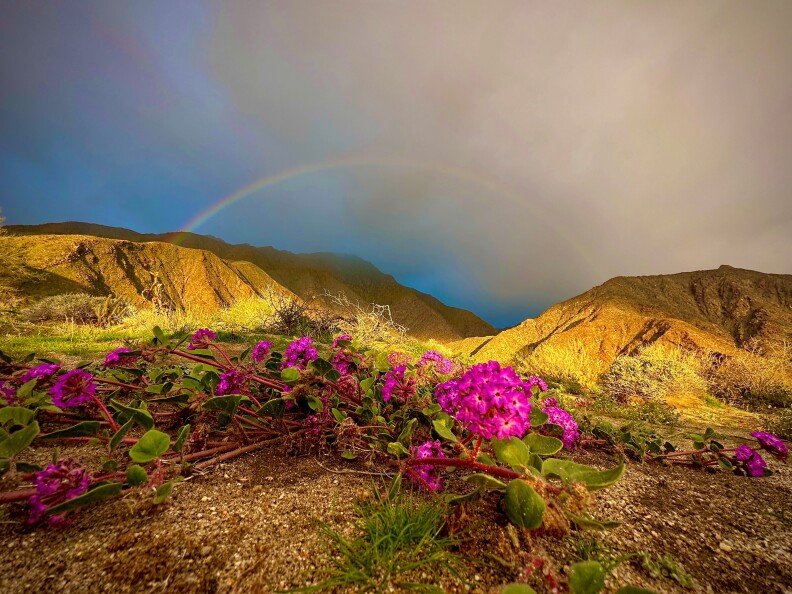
(718, 311)
(307, 275)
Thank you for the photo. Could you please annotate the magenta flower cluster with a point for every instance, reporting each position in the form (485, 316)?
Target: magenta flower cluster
(201, 338)
(261, 351)
(772, 444)
(344, 337)
(558, 416)
(398, 385)
(40, 372)
(74, 388)
(397, 358)
(118, 357)
(299, 353)
(425, 475)
(55, 484)
(442, 365)
(754, 463)
(488, 400)
(232, 382)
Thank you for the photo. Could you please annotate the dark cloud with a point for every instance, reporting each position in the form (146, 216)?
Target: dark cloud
(501, 155)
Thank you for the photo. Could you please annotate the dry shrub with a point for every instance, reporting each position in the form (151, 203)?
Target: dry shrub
(757, 375)
(569, 364)
(370, 324)
(656, 372)
(76, 307)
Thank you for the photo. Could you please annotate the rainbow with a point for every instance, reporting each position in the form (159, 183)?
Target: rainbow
(457, 173)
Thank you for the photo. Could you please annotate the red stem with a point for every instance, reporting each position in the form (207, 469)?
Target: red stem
(18, 495)
(113, 425)
(211, 362)
(237, 452)
(119, 384)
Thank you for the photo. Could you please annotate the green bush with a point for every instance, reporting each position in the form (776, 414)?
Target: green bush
(653, 374)
(78, 308)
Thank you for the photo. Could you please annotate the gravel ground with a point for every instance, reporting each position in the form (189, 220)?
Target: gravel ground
(251, 526)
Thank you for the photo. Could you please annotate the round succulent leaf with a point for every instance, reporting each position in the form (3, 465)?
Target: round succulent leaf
(581, 473)
(543, 445)
(136, 475)
(149, 447)
(586, 577)
(524, 506)
(485, 480)
(511, 451)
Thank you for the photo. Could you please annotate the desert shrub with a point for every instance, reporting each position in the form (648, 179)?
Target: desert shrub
(249, 315)
(293, 316)
(78, 308)
(636, 409)
(72, 307)
(570, 365)
(755, 376)
(371, 324)
(780, 423)
(654, 373)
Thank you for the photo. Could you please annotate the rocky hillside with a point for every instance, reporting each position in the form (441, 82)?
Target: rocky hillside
(309, 275)
(141, 273)
(714, 310)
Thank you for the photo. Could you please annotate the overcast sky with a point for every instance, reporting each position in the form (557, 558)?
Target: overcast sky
(502, 156)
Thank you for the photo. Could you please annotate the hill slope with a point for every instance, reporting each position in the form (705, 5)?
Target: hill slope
(714, 310)
(139, 272)
(308, 275)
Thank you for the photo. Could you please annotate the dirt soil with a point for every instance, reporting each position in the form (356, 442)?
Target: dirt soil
(251, 526)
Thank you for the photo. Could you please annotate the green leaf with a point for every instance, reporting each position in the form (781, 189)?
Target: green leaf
(136, 475)
(454, 499)
(634, 590)
(431, 410)
(95, 495)
(315, 403)
(485, 481)
(338, 415)
(25, 467)
(725, 464)
(17, 414)
(5, 464)
(82, 429)
(162, 493)
(159, 388)
(366, 384)
(321, 366)
(406, 433)
(518, 589)
(119, 435)
(584, 521)
(159, 335)
(274, 408)
(18, 440)
(443, 430)
(397, 449)
(290, 374)
(586, 577)
(149, 447)
(592, 477)
(543, 445)
(709, 433)
(511, 451)
(348, 455)
(524, 506)
(140, 415)
(537, 417)
(181, 437)
(25, 390)
(227, 404)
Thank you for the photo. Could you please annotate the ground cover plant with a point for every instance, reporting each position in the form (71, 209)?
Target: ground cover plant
(172, 407)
